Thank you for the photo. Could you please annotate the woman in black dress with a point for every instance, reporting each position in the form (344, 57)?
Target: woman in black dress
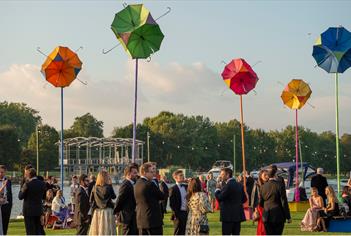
(332, 209)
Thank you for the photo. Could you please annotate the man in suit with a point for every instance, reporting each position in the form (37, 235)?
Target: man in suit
(82, 206)
(92, 182)
(320, 182)
(279, 179)
(7, 206)
(178, 203)
(125, 204)
(276, 209)
(164, 189)
(231, 198)
(32, 193)
(147, 197)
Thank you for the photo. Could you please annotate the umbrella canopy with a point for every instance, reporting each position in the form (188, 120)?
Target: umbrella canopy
(332, 50)
(296, 94)
(137, 31)
(61, 67)
(239, 76)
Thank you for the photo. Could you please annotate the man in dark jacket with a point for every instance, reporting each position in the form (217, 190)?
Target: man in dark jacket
(320, 182)
(32, 193)
(82, 206)
(5, 208)
(178, 203)
(125, 204)
(164, 189)
(147, 197)
(231, 198)
(276, 209)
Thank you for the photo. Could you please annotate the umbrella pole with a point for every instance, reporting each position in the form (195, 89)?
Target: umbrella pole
(61, 143)
(337, 132)
(135, 110)
(234, 156)
(297, 192)
(242, 141)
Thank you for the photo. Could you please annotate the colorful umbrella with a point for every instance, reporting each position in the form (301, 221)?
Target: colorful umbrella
(60, 68)
(332, 53)
(294, 96)
(241, 79)
(141, 36)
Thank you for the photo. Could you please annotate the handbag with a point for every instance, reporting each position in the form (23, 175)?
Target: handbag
(204, 229)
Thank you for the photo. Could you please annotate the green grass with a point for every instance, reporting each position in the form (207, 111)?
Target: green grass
(247, 228)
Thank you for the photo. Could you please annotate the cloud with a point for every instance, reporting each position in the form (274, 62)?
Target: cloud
(192, 89)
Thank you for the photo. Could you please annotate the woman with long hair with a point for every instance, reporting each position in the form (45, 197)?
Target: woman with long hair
(309, 222)
(198, 206)
(103, 221)
(332, 209)
(255, 199)
(59, 207)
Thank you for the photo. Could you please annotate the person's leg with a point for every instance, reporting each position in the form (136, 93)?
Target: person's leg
(28, 225)
(226, 228)
(279, 228)
(38, 225)
(182, 222)
(236, 228)
(177, 225)
(5, 214)
(268, 228)
(156, 231)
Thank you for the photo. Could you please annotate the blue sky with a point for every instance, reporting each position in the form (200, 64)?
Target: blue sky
(184, 76)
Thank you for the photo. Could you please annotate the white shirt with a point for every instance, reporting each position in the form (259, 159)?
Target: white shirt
(182, 190)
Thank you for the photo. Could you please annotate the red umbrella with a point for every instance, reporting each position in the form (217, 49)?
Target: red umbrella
(241, 79)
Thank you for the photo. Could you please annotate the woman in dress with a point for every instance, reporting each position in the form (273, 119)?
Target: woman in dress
(48, 204)
(211, 188)
(59, 207)
(255, 199)
(309, 222)
(332, 209)
(198, 206)
(103, 221)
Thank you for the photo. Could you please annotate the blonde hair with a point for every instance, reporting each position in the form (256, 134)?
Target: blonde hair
(331, 196)
(102, 178)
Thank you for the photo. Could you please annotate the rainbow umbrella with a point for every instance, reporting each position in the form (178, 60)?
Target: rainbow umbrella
(332, 52)
(241, 79)
(295, 96)
(140, 36)
(60, 68)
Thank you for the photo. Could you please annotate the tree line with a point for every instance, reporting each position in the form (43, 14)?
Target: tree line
(193, 142)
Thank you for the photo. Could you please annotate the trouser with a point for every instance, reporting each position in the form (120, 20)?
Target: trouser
(83, 228)
(231, 228)
(131, 228)
(274, 228)
(33, 225)
(5, 214)
(180, 223)
(151, 231)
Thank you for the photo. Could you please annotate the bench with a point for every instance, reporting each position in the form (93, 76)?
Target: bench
(340, 224)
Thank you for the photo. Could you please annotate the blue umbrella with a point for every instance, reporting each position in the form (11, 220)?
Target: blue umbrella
(332, 53)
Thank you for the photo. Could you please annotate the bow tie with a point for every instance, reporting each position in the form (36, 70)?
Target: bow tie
(182, 185)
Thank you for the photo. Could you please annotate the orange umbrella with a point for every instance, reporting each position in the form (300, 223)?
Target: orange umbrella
(61, 67)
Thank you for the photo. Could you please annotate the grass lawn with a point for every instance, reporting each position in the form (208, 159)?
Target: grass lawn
(247, 228)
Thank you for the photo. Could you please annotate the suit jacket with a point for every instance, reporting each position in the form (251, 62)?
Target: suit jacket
(164, 189)
(82, 206)
(231, 199)
(175, 200)
(147, 197)
(32, 193)
(273, 200)
(125, 204)
(319, 182)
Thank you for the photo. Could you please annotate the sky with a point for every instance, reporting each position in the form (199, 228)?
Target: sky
(185, 75)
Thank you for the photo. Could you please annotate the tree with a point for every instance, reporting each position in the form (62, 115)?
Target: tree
(10, 149)
(48, 150)
(23, 118)
(87, 126)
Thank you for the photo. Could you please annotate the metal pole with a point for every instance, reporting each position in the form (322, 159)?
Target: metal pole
(234, 153)
(135, 110)
(37, 132)
(61, 143)
(148, 146)
(297, 192)
(242, 141)
(302, 168)
(337, 132)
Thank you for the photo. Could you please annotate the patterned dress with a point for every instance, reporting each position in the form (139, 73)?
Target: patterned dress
(198, 206)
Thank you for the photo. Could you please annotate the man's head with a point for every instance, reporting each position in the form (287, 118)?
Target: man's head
(271, 171)
(2, 171)
(320, 171)
(226, 173)
(30, 173)
(74, 179)
(83, 180)
(92, 178)
(178, 176)
(148, 170)
(131, 172)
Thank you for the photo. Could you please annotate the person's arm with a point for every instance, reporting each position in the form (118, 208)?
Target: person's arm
(112, 192)
(311, 203)
(122, 197)
(9, 191)
(204, 204)
(320, 202)
(223, 194)
(285, 204)
(23, 192)
(157, 192)
(172, 199)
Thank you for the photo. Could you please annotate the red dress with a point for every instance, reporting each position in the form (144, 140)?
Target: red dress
(260, 226)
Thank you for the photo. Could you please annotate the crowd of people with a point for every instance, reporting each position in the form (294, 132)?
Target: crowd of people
(143, 196)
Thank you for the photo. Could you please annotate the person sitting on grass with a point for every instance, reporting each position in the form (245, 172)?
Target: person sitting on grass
(47, 205)
(59, 208)
(332, 209)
